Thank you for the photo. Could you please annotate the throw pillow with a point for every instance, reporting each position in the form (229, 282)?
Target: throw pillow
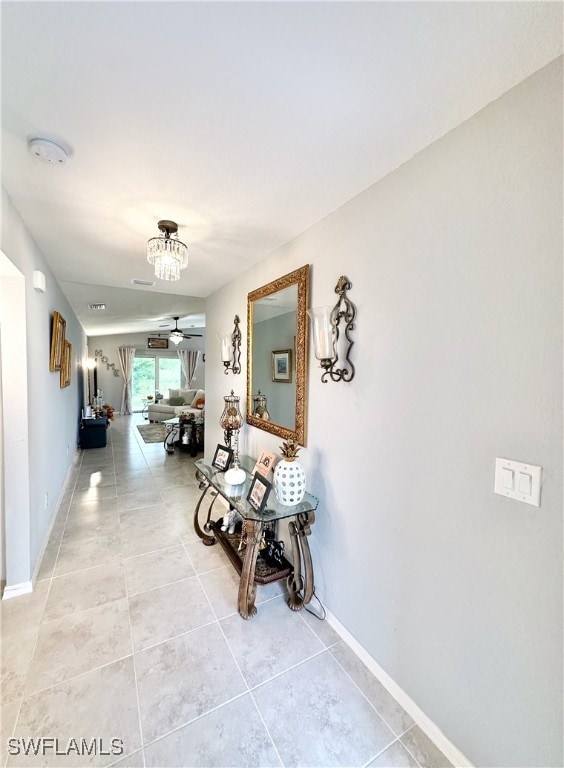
(176, 401)
(199, 403)
(199, 395)
(187, 394)
(173, 393)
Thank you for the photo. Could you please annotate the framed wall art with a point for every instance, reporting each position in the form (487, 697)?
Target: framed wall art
(65, 372)
(154, 342)
(282, 365)
(57, 341)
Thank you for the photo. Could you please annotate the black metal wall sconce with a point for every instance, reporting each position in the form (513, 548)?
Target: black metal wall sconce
(231, 348)
(325, 322)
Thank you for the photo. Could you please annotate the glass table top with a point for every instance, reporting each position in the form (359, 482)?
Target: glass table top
(236, 495)
(198, 419)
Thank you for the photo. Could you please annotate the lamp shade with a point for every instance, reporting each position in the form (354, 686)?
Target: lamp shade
(323, 332)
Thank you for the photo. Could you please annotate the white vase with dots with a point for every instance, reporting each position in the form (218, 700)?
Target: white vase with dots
(289, 482)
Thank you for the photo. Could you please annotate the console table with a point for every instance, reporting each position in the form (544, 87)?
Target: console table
(244, 555)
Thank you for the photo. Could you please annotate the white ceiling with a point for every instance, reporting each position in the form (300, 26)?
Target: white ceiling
(245, 122)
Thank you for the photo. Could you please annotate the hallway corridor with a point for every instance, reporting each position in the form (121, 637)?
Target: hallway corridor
(131, 638)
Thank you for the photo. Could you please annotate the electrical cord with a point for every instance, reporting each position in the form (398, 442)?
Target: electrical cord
(320, 618)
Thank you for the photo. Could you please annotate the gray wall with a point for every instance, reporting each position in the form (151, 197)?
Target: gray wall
(112, 386)
(456, 265)
(53, 412)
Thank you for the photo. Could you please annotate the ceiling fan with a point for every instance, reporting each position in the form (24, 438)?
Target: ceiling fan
(176, 335)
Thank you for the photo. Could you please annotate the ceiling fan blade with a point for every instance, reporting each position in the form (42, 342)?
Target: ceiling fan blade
(177, 330)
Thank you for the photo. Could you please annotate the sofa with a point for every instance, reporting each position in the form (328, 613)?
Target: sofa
(178, 401)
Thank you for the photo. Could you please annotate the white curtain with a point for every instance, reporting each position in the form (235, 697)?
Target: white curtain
(126, 357)
(189, 362)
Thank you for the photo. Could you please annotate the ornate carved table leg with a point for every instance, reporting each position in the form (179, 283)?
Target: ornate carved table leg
(247, 586)
(171, 436)
(193, 438)
(299, 530)
(204, 485)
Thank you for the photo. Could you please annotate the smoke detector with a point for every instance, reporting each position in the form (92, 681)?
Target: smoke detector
(48, 150)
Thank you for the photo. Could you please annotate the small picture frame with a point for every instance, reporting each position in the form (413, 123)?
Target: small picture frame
(154, 342)
(265, 463)
(222, 457)
(258, 492)
(282, 365)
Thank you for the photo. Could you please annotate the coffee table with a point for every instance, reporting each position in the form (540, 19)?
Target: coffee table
(185, 434)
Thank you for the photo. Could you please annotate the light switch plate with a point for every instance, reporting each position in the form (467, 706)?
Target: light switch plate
(518, 468)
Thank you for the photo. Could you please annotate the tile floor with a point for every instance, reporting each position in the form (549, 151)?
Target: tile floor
(132, 635)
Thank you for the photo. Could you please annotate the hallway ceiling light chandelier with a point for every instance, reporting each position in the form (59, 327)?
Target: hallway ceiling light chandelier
(168, 254)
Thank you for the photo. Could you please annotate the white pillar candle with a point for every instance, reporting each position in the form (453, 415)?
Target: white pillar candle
(226, 347)
(323, 332)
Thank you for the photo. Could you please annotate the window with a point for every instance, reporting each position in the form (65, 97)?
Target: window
(151, 374)
(169, 374)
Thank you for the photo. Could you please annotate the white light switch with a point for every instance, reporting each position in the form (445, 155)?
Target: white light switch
(525, 483)
(519, 481)
(507, 476)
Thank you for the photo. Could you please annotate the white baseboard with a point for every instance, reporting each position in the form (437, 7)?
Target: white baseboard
(449, 750)
(54, 516)
(15, 590)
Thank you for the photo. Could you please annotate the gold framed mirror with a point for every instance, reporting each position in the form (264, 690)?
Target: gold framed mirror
(277, 356)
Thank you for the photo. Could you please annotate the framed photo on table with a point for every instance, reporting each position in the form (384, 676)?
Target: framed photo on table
(222, 457)
(258, 492)
(282, 365)
(265, 463)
